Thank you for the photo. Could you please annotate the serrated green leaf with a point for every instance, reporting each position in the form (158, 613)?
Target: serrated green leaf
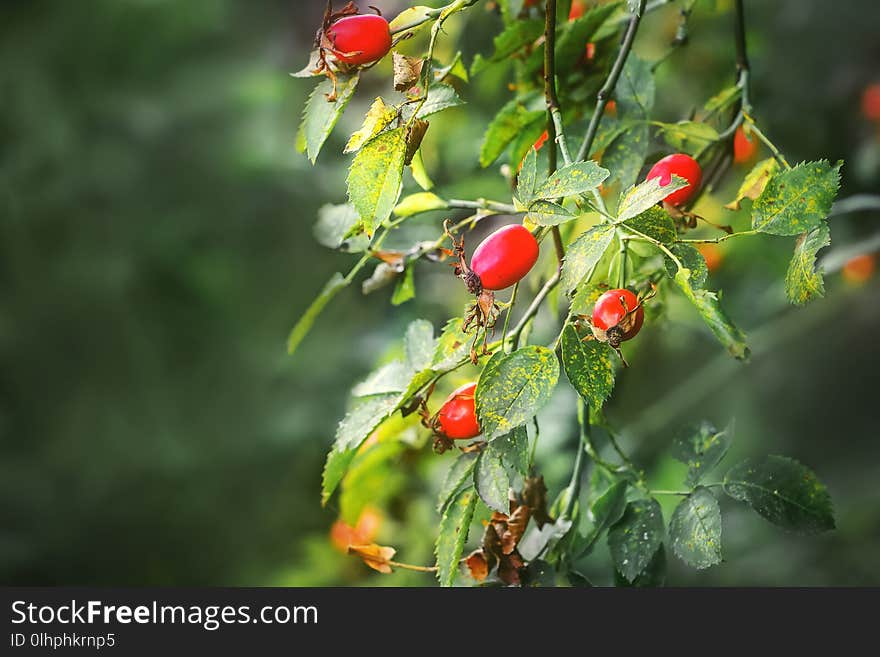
(525, 140)
(405, 288)
(453, 345)
(635, 538)
(455, 525)
(440, 97)
(338, 227)
(803, 281)
(589, 366)
(606, 510)
(722, 99)
(514, 387)
(574, 179)
(784, 492)
(701, 448)
(514, 450)
(454, 68)
(636, 203)
(527, 181)
(692, 259)
(797, 200)
(378, 117)
(583, 254)
(320, 116)
(654, 222)
(709, 307)
(491, 480)
(376, 176)
(460, 473)
(635, 89)
(354, 428)
(547, 213)
(391, 377)
(514, 37)
(336, 283)
(755, 182)
(418, 203)
(652, 576)
(506, 125)
(419, 344)
(574, 34)
(688, 136)
(695, 529)
(625, 155)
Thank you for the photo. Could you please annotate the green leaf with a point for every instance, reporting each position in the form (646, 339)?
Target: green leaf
(701, 448)
(583, 254)
(378, 117)
(688, 136)
(455, 68)
(635, 89)
(506, 125)
(574, 34)
(635, 538)
(589, 367)
(354, 428)
(578, 178)
(405, 288)
(606, 510)
(547, 213)
(420, 173)
(455, 525)
(514, 387)
(625, 155)
(376, 176)
(695, 529)
(645, 196)
(797, 200)
(320, 116)
(459, 474)
(755, 182)
(514, 37)
(653, 575)
(514, 450)
(409, 16)
(336, 283)
(722, 99)
(709, 307)
(339, 227)
(452, 345)
(692, 259)
(803, 281)
(491, 480)
(419, 344)
(526, 138)
(784, 492)
(440, 97)
(654, 222)
(391, 377)
(527, 181)
(418, 203)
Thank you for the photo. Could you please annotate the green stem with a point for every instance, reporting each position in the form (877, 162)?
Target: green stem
(481, 204)
(716, 240)
(607, 89)
(574, 485)
(622, 253)
(769, 144)
(533, 308)
(507, 316)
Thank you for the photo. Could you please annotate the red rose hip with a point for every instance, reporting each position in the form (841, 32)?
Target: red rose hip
(745, 147)
(457, 418)
(504, 257)
(683, 166)
(360, 39)
(618, 316)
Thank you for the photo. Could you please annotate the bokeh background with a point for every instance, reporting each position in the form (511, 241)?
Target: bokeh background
(156, 248)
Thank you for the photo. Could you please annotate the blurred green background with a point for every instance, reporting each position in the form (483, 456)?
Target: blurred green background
(156, 247)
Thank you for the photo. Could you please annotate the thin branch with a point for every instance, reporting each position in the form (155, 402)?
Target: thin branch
(607, 89)
(555, 133)
(574, 485)
(533, 308)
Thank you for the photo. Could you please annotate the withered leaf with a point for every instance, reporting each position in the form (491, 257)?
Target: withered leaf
(535, 497)
(515, 528)
(375, 556)
(406, 71)
(414, 139)
(478, 565)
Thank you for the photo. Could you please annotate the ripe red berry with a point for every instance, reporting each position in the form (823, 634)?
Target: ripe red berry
(859, 269)
(360, 39)
(745, 147)
(457, 418)
(871, 102)
(680, 165)
(618, 315)
(504, 257)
